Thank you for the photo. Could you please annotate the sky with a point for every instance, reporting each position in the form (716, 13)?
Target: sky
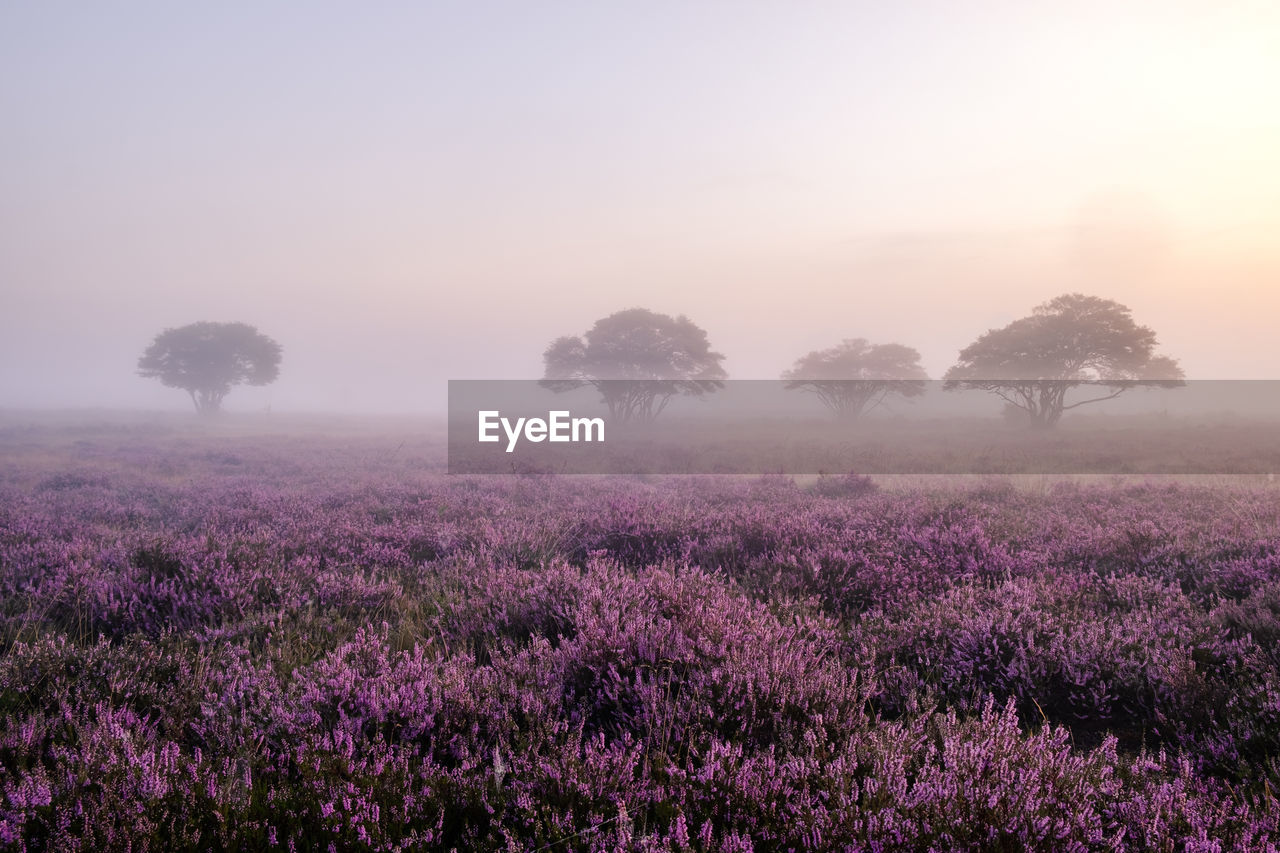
(407, 193)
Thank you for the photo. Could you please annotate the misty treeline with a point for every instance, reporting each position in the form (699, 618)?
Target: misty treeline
(639, 360)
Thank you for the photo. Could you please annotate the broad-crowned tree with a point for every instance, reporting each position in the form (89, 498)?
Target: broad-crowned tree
(206, 359)
(1073, 340)
(638, 360)
(855, 376)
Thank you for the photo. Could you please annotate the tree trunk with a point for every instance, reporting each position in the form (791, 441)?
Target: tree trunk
(208, 403)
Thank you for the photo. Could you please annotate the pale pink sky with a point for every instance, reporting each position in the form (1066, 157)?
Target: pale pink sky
(404, 194)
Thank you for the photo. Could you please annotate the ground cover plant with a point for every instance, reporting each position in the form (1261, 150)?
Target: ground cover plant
(217, 641)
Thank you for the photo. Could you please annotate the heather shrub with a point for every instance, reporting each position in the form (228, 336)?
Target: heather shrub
(334, 650)
(1255, 617)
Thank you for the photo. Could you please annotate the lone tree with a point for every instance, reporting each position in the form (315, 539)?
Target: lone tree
(1073, 340)
(855, 376)
(638, 360)
(206, 359)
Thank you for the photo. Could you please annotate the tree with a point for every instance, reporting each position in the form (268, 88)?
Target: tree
(1072, 340)
(206, 359)
(855, 376)
(638, 360)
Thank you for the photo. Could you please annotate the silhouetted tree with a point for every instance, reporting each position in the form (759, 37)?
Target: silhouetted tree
(1072, 340)
(207, 359)
(638, 360)
(855, 376)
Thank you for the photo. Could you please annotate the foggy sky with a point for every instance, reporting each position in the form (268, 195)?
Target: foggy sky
(402, 194)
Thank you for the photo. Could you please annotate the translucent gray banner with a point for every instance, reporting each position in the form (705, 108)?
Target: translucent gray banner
(870, 427)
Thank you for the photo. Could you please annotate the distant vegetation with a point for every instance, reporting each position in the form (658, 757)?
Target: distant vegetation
(1033, 363)
(637, 360)
(855, 376)
(207, 359)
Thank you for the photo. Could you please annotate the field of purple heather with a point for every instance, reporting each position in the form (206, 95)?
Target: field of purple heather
(219, 640)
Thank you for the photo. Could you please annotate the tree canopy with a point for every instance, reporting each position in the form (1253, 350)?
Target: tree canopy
(638, 360)
(206, 359)
(1072, 340)
(855, 376)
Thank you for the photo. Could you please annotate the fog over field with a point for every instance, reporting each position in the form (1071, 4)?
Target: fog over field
(732, 426)
(403, 195)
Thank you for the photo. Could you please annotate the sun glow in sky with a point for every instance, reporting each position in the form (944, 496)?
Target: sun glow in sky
(403, 194)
